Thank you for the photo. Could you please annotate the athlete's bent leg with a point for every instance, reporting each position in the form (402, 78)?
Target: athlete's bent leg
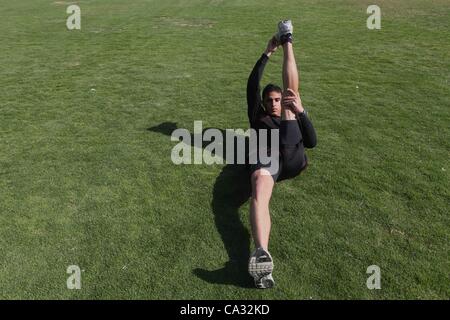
(260, 264)
(262, 186)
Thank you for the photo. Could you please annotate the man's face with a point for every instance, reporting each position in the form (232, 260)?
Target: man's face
(272, 103)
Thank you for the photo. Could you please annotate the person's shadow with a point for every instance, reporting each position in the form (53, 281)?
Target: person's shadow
(231, 190)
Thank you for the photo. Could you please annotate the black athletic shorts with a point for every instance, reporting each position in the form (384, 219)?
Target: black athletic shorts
(291, 164)
(292, 159)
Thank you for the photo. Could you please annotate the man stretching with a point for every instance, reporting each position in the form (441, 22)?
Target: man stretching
(283, 110)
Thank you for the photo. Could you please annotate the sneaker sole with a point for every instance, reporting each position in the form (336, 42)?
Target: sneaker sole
(259, 270)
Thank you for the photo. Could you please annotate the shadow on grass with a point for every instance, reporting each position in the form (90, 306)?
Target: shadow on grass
(231, 190)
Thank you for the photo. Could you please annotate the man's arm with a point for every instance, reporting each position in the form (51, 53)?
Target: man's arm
(307, 129)
(292, 101)
(254, 102)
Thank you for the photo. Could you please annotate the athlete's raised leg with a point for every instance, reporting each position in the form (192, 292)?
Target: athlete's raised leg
(289, 71)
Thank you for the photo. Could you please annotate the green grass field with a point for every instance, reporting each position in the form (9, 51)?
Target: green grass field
(86, 176)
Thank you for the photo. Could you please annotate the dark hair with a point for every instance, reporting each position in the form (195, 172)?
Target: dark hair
(269, 88)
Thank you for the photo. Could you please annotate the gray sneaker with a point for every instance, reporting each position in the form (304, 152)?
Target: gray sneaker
(260, 267)
(265, 282)
(285, 30)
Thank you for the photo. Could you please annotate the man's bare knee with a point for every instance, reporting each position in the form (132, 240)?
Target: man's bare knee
(262, 185)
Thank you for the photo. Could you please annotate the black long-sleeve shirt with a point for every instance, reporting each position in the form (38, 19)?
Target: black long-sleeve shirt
(258, 117)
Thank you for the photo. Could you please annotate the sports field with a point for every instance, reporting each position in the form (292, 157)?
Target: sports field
(86, 176)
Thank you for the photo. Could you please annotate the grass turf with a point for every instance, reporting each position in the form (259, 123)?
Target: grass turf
(85, 170)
